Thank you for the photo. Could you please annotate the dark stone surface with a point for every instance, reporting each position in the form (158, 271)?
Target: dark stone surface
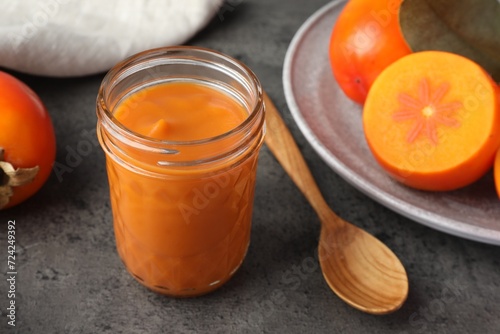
(70, 279)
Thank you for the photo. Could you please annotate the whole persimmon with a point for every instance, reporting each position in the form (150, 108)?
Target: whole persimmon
(27, 142)
(366, 38)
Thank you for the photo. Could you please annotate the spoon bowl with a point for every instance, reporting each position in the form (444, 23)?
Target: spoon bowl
(358, 267)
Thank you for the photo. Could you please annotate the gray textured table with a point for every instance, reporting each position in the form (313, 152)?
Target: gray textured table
(70, 279)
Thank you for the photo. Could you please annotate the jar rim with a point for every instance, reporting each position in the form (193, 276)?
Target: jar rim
(163, 51)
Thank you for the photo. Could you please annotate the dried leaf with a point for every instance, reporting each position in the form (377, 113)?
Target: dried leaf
(467, 27)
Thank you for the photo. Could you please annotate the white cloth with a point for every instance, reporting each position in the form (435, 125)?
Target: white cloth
(73, 37)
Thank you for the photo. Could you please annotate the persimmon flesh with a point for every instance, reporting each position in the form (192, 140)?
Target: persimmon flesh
(432, 120)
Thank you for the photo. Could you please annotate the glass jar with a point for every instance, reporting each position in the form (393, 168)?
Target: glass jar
(182, 210)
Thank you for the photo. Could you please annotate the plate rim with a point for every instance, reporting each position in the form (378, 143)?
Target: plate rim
(415, 213)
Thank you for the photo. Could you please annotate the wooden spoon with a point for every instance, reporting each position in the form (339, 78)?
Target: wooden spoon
(358, 267)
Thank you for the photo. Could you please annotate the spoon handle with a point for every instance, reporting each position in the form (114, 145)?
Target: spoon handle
(281, 143)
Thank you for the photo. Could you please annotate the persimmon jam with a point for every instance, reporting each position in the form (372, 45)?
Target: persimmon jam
(180, 111)
(182, 231)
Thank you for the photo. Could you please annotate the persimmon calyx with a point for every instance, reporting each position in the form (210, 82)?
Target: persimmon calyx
(13, 177)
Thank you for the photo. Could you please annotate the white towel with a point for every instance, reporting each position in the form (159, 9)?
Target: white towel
(72, 38)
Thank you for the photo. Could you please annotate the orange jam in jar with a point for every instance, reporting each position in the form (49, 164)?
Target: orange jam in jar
(181, 128)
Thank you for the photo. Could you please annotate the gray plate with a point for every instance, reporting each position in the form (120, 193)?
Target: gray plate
(332, 125)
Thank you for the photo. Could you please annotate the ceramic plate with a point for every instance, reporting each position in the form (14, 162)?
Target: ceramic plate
(332, 125)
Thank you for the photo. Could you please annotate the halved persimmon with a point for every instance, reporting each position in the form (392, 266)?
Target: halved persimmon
(432, 120)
